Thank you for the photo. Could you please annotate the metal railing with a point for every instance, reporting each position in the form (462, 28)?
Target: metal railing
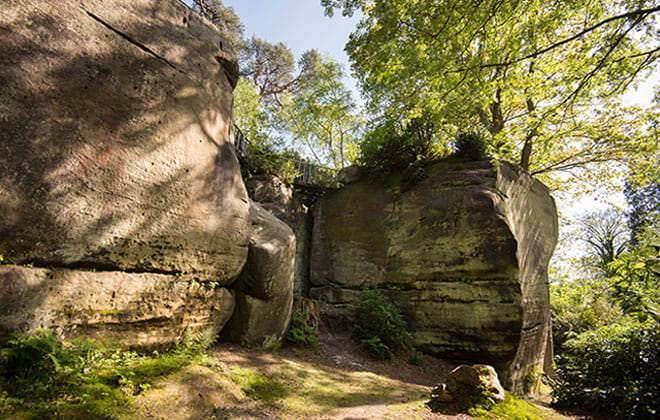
(308, 174)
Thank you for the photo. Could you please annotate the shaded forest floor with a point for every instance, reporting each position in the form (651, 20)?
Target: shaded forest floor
(337, 381)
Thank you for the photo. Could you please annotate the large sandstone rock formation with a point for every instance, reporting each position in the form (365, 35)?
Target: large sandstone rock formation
(264, 290)
(115, 150)
(117, 168)
(464, 253)
(139, 310)
(280, 200)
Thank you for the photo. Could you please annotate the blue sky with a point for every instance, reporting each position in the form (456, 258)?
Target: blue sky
(300, 24)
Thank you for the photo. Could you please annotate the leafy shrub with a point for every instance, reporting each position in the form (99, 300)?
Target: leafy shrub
(267, 158)
(302, 333)
(613, 369)
(470, 146)
(577, 307)
(81, 379)
(304, 320)
(380, 324)
(389, 147)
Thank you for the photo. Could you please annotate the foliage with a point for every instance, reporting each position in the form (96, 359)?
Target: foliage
(578, 306)
(302, 333)
(321, 115)
(540, 78)
(470, 146)
(642, 191)
(380, 324)
(614, 370)
(271, 68)
(511, 409)
(225, 18)
(80, 379)
(267, 158)
(634, 280)
(389, 147)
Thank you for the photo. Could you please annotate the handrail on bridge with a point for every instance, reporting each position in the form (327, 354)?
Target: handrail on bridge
(309, 174)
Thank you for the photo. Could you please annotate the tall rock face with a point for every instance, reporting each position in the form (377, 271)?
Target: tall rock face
(117, 169)
(115, 149)
(264, 290)
(464, 254)
(280, 200)
(140, 310)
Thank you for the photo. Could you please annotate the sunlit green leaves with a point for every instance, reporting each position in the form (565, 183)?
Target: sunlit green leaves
(533, 75)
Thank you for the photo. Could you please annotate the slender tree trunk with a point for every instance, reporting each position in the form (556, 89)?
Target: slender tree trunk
(497, 118)
(529, 139)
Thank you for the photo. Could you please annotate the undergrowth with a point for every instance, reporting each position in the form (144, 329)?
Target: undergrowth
(43, 377)
(380, 325)
(511, 409)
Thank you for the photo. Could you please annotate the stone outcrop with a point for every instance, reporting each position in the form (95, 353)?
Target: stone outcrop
(138, 310)
(264, 290)
(117, 168)
(281, 201)
(115, 149)
(464, 254)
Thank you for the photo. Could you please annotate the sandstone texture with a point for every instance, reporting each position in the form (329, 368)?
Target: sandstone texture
(464, 254)
(465, 380)
(115, 148)
(281, 201)
(138, 310)
(264, 290)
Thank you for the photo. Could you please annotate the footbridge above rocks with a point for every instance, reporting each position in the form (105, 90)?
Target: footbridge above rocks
(311, 180)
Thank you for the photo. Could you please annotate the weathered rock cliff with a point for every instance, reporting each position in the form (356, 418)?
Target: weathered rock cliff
(115, 153)
(464, 253)
(264, 290)
(140, 310)
(117, 168)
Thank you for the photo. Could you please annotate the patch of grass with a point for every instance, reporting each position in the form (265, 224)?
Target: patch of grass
(43, 377)
(257, 386)
(511, 408)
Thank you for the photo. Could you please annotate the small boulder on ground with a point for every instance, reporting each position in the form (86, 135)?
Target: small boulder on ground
(469, 383)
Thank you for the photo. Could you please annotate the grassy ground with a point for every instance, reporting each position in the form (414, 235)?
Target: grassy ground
(87, 381)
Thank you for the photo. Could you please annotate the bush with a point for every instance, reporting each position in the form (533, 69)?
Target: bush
(41, 375)
(301, 333)
(305, 319)
(390, 147)
(380, 325)
(613, 369)
(267, 158)
(471, 146)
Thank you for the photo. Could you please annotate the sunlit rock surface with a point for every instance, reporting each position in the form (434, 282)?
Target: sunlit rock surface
(464, 254)
(264, 290)
(138, 310)
(115, 148)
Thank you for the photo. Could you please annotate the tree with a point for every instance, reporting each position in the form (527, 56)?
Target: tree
(643, 197)
(606, 236)
(271, 68)
(540, 78)
(225, 18)
(321, 114)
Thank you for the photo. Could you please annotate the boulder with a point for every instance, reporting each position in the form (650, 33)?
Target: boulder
(115, 146)
(349, 174)
(463, 253)
(264, 290)
(280, 200)
(137, 310)
(465, 382)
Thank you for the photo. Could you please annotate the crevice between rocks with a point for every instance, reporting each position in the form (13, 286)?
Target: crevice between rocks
(94, 267)
(131, 40)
